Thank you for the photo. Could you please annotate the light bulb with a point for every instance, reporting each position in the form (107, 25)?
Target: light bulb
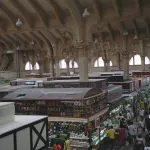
(19, 23)
(85, 13)
(135, 36)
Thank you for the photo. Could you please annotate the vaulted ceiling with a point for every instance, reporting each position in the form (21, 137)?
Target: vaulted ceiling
(60, 22)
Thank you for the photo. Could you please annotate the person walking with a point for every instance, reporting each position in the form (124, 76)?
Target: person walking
(67, 144)
(57, 146)
(139, 145)
(111, 135)
(132, 132)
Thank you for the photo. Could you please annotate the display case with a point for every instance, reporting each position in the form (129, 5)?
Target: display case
(79, 143)
(98, 137)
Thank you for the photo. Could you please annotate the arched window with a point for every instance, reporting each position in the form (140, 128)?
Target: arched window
(28, 66)
(71, 64)
(135, 60)
(36, 66)
(110, 64)
(147, 60)
(62, 64)
(99, 62)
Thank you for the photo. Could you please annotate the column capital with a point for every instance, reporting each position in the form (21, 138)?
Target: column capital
(125, 53)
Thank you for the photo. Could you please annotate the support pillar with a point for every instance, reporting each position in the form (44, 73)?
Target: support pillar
(125, 55)
(73, 69)
(105, 66)
(119, 61)
(142, 55)
(68, 69)
(106, 61)
(126, 65)
(83, 68)
(41, 64)
(143, 62)
(57, 69)
(19, 63)
(46, 65)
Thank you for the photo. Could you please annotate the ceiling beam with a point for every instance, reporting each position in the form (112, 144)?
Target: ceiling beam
(9, 14)
(39, 40)
(57, 11)
(75, 11)
(18, 36)
(25, 14)
(12, 40)
(116, 8)
(7, 42)
(135, 27)
(27, 38)
(97, 9)
(42, 14)
(147, 25)
(109, 27)
(3, 24)
(138, 6)
(18, 39)
(50, 36)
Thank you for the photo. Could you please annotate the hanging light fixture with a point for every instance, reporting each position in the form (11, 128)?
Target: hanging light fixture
(86, 13)
(19, 23)
(18, 47)
(96, 41)
(135, 37)
(32, 43)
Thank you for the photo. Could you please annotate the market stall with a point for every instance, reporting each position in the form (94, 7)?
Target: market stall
(70, 110)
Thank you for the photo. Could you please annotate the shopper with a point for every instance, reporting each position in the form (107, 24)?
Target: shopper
(147, 123)
(147, 139)
(132, 132)
(141, 113)
(139, 145)
(147, 148)
(67, 144)
(140, 129)
(129, 117)
(111, 135)
(123, 123)
(57, 146)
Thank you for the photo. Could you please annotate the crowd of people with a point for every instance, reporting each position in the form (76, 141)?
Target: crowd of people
(132, 131)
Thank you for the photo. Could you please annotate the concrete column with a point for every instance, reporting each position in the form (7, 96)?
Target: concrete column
(41, 64)
(57, 69)
(83, 68)
(125, 57)
(126, 65)
(108, 65)
(68, 69)
(142, 54)
(73, 69)
(46, 65)
(119, 61)
(15, 61)
(143, 62)
(105, 66)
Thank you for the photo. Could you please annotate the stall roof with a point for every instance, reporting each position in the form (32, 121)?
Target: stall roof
(51, 94)
(9, 88)
(60, 81)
